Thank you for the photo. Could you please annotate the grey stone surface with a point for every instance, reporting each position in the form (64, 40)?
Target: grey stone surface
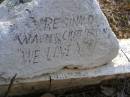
(65, 80)
(44, 36)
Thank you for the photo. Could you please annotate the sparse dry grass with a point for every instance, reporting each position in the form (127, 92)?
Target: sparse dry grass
(118, 14)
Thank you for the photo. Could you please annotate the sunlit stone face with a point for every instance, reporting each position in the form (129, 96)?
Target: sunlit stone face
(44, 36)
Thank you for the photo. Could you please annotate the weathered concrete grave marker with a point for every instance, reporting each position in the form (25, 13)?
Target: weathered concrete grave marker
(43, 36)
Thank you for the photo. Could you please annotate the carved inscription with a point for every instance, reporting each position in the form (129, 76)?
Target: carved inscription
(56, 38)
(30, 56)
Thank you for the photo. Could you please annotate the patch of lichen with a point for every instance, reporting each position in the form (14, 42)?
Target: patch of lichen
(13, 3)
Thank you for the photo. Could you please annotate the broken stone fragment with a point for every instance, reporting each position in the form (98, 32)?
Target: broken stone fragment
(44, 36)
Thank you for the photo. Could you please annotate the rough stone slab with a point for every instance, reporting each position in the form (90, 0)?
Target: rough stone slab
(41, 36)
(66, 79)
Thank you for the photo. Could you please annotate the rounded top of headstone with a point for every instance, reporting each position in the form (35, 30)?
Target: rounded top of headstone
(44, 36)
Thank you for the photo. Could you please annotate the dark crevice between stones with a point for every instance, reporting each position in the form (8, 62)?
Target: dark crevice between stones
(24, 1)
(1, 1)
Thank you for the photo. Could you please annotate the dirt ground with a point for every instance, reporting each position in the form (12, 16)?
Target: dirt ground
(118, 14)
